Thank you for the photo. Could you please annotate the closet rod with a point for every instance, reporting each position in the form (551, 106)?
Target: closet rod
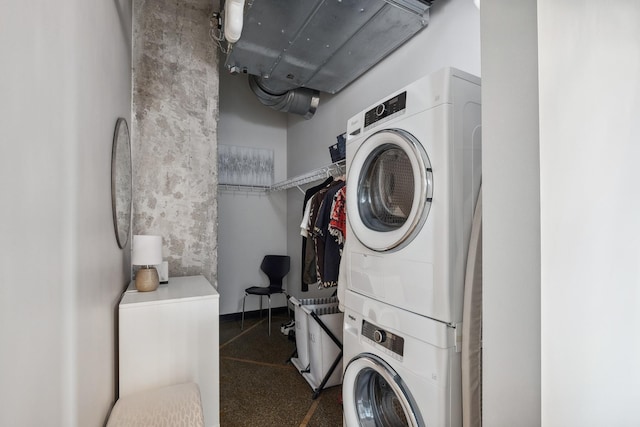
(336, 168)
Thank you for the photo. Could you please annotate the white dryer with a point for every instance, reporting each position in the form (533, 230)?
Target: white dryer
(413, 173)
(402, 369)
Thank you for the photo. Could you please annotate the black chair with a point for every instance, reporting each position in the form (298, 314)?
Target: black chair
(275, 267)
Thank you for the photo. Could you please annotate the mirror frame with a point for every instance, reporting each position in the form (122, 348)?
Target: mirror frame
(121, 187)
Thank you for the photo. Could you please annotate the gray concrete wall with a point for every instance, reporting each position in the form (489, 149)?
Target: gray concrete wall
(175, 110)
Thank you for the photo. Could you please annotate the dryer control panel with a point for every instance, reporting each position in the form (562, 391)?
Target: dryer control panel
(386, 339)
(386, 110)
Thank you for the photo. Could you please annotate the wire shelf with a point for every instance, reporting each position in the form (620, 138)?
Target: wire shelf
(334, 169)
(235, 188)
(337, 168)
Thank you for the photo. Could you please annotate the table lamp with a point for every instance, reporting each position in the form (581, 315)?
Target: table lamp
(147, 252)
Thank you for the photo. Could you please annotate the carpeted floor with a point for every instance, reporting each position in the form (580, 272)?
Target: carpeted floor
(258, 387)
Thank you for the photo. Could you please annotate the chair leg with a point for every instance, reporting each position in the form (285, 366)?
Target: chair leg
(261, 306)
(269, 296)
(242, 324)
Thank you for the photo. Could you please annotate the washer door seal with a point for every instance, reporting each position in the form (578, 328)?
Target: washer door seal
(390, 190)
(375, 395)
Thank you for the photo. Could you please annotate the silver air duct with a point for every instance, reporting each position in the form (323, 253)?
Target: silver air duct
(299, 100)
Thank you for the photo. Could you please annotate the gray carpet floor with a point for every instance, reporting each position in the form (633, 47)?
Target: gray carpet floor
(258, 387)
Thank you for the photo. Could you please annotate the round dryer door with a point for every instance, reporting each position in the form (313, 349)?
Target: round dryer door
(390, 190)
(375, 395)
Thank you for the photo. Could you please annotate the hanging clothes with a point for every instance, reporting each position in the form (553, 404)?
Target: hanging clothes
(308, 272)
(338, 219)
(328, 249)
(311, 253)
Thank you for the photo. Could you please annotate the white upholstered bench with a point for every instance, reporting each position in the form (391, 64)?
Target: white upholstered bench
(172, 406)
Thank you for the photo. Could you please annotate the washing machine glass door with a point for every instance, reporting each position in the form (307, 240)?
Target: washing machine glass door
(374, 395)
(390, 185)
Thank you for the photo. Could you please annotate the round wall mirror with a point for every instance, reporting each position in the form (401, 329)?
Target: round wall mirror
(121, 182)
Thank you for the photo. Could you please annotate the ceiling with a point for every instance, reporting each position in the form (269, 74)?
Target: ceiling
(320, 44)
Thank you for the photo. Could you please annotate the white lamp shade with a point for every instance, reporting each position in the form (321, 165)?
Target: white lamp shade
(147, 250)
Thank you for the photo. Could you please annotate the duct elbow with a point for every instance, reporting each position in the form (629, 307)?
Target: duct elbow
(301, 101)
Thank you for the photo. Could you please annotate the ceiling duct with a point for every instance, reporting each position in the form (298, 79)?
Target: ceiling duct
(302, 101)
(295, 49)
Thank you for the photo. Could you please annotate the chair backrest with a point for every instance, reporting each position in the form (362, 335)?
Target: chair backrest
(276, 267)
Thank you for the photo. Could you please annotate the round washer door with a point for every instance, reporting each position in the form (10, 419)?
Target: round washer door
(390, 190)
(375, 395)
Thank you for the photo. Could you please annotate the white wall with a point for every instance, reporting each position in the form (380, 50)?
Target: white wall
(590, 212)
(451, 39)
(511, 215)
(65, 78)
(561, 323)
(250, 225)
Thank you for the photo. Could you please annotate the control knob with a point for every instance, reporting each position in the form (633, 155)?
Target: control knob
(380, 109)
(379, 336)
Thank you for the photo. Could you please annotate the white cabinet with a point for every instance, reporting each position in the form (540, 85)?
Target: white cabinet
(170, 336)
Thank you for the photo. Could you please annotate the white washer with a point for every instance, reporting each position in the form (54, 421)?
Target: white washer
(413, 174)
(402, 369)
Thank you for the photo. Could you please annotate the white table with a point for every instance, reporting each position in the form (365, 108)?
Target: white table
(170, 336)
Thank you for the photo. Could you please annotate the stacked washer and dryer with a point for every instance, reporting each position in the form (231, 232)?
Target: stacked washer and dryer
(413, 181)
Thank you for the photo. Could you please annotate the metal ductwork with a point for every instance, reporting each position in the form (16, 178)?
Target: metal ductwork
(302, 101)
(292, 49)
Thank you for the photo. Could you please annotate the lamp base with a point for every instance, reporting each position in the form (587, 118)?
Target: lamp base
(147, 279)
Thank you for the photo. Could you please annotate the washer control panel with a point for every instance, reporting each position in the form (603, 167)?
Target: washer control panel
(388, 108)
(386, 339)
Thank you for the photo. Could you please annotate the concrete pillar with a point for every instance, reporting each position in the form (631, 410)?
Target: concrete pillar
(174, 132)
